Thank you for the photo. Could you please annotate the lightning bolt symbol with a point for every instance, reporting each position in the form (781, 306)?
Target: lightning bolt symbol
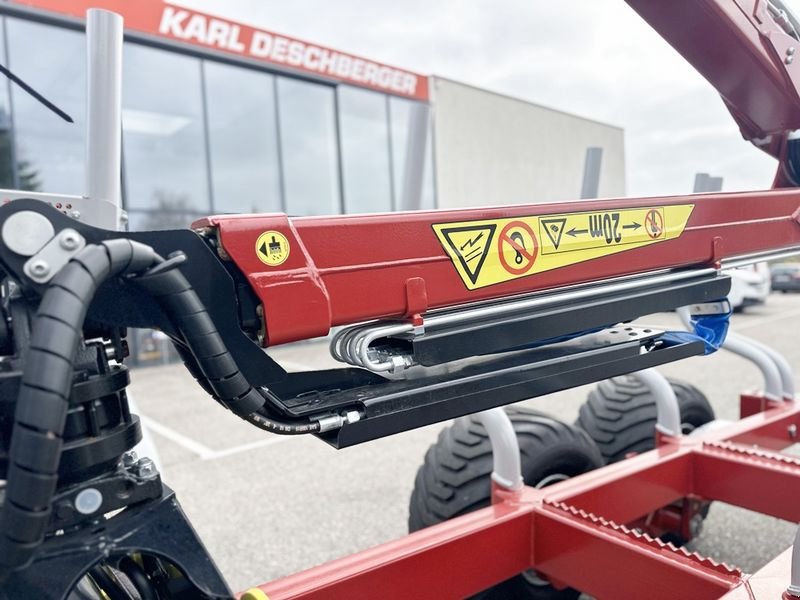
(470, 243)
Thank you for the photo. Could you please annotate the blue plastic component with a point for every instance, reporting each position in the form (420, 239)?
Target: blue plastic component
(710, 329)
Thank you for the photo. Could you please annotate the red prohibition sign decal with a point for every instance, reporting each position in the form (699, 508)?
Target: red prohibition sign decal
(517, 247)
(654, 224)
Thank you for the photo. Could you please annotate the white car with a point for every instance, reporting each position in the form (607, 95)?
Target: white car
(749, 285)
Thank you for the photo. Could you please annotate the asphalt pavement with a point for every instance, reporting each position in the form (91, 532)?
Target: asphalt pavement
(267, 505)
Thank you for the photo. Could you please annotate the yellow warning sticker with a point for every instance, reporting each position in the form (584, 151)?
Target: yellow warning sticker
(272, 248)
(498, 250)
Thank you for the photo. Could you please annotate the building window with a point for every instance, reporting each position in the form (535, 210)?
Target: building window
(243, 140)
(309, 147)
(364, 131)
(412, 154)
(7, 167)
(50, 152)
(164, 143)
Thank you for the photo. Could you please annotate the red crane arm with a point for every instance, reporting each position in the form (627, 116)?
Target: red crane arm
(746, 50)
(347, 269)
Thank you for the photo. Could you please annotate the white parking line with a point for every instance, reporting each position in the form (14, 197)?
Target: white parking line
(183, 441)
(273, 439)
(204, 452)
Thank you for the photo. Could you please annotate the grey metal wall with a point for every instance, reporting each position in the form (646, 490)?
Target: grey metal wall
(492, 149)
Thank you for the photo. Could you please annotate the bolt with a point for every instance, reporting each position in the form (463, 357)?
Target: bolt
(40, 268)
(130, 458)
(147, 469)
(123, 217)
(789, 59)
(790, 50)
(69, 240)
(792, 430)
(75, 214)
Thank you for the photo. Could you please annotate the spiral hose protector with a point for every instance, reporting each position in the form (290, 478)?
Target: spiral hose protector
(42, 403)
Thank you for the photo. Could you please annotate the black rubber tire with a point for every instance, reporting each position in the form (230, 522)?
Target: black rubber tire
(620, 415)
(455, 478)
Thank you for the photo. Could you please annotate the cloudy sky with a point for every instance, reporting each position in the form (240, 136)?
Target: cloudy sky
(594, 58)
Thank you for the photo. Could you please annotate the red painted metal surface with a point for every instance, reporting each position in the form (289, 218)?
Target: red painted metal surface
(347, 269)
(574, 532)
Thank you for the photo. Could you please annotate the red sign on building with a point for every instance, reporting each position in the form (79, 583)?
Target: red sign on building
(162, 19)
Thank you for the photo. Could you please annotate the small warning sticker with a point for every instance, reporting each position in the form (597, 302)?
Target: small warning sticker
(468, 247)
(517, 248)
(553, 229)
(272, 248)
(654, 223)
(525, 246)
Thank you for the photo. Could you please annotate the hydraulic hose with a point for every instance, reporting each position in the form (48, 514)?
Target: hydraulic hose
(204, 351)
(43, 400)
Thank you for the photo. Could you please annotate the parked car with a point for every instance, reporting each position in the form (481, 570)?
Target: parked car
(749, 285)
(786, 277)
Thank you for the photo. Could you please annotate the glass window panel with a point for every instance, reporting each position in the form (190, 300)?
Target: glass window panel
(243, 139)
(412, 154)
(309, 147)
(163, 135)
(166, 218)
(364, 131)
(6, 141)
(50, 151)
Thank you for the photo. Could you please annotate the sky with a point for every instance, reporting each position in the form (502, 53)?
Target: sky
(597, 59)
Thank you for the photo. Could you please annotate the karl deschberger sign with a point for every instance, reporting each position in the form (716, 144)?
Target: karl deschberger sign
(171, 21)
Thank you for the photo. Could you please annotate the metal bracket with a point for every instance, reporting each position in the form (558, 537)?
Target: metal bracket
(42, 266)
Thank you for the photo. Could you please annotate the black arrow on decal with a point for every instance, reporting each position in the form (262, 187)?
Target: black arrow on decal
(573, 232)
(633, 226)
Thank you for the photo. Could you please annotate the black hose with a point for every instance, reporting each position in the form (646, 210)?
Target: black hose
(205, 354)
(138, 578)
(106, 583)
(186, 311)
(267, 424)
(42, 403)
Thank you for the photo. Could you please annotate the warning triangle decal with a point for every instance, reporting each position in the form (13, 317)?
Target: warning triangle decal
(554, 228)
(470, 245)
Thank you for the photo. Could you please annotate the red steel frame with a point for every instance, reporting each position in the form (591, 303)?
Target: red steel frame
(574, 532)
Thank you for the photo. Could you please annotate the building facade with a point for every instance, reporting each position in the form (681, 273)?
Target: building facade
(491, 146)
(222, 117)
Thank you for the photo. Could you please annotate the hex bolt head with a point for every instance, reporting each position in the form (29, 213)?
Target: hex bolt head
(146, 469)
(130, 458)
(40, 268)
(75, 214)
